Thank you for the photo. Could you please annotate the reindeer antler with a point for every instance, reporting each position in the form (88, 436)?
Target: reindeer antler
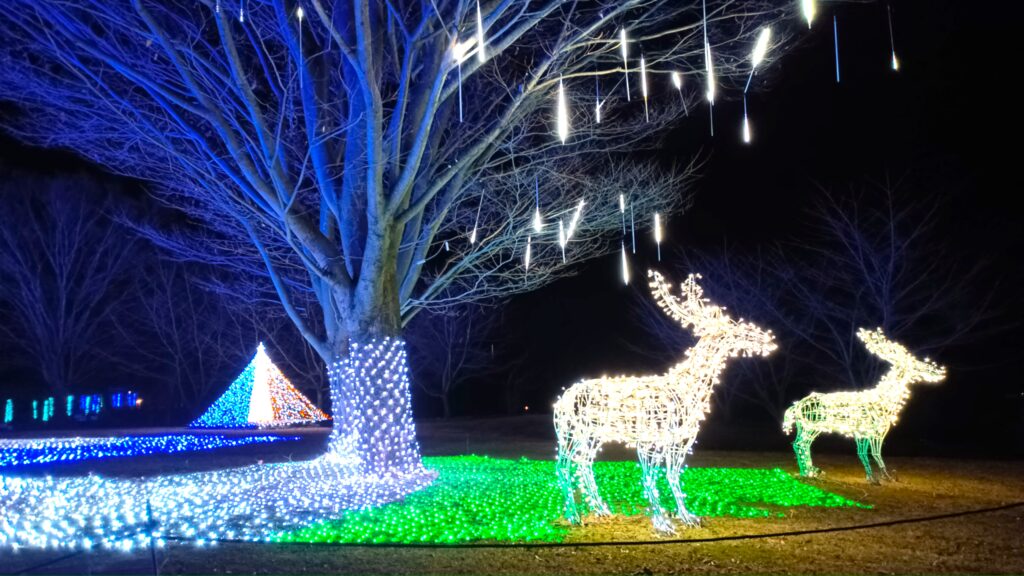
(687, 311)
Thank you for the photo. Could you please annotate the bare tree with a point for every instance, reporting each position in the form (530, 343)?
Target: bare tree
(342, 144)
(875, 256)
(65, 267)
(451, 346)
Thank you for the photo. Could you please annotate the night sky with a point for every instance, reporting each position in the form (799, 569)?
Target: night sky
(946, 121)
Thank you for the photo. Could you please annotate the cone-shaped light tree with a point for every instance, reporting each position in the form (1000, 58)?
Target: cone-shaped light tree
(367, 154)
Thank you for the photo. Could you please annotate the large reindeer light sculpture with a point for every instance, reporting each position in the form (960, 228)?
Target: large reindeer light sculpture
(659, 415)
(864, 415)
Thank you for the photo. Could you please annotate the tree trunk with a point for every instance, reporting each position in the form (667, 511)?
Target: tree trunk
(446, 406)
(373, 429)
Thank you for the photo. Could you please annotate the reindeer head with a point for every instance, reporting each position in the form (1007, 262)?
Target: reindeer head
(910, 367)
(706, 319)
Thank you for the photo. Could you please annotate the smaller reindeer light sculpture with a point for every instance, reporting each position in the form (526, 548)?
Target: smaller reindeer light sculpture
(659, 415)
(864, 415)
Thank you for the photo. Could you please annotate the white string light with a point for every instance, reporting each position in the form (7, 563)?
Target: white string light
(659, 415)
(864, 415)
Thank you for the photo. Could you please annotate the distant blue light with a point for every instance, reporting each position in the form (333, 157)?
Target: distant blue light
(17, 453)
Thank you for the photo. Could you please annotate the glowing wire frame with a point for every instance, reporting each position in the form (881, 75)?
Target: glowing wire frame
(659, 415)
(864, 415)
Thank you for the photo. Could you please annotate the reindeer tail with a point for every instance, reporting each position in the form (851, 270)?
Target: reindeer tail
(789, 418)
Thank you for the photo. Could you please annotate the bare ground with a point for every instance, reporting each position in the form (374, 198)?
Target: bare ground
(983, 543)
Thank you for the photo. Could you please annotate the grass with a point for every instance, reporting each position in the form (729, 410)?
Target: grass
(476, 498)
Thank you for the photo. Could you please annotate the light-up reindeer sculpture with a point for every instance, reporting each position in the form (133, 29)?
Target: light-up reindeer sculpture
(659, 415)
(864, 415)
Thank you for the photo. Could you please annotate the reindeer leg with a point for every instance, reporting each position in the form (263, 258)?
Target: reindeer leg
(863, 445)
(650, 457)
(673, 471)
(802, 448)
(563, 468)
(876, 453)
(586, 481)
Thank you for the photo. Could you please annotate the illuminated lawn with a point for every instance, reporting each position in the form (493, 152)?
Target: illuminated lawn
(477, 498)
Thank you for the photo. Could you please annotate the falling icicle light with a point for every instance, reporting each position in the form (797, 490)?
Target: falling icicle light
(625, 265)
(657, 233)
(677, 81)
(575, 220)
(625, 59)
(538, 224)
(561, 238)
(632, 227)
(597, 101)
(835, 37)
(761, 46)
(472, 235)
(643, 86)
(526, 258)
(481, 55)
(241, 12)
(746, 122)
(622, 212)
(892, 40)
(299, 13)
(711, 74)
(808, 7)
(758, 53)
(563, 114)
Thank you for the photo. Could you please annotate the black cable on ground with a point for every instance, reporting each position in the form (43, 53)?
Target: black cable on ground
(31, 569)
(532, 545)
